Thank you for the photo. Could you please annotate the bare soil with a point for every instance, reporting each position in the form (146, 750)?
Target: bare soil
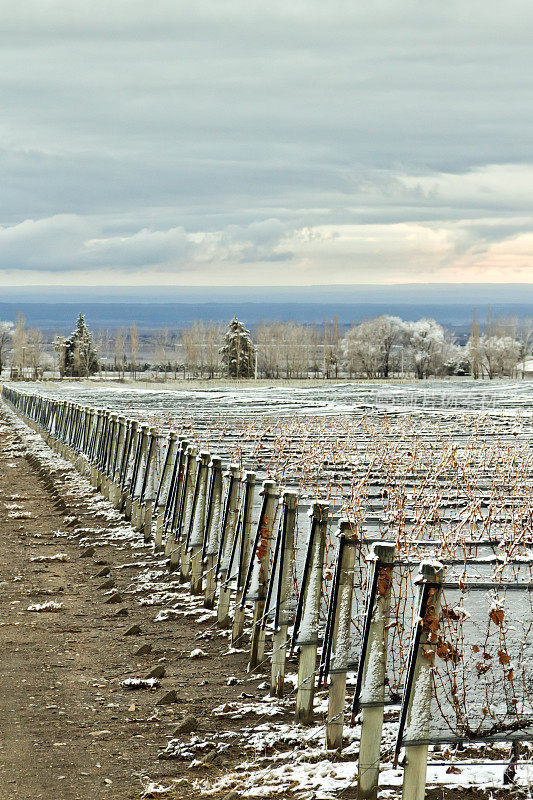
(68, 730)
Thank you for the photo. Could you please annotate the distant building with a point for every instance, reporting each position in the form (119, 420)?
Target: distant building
(525, 370)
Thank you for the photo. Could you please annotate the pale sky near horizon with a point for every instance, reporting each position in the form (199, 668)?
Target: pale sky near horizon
(230, 141)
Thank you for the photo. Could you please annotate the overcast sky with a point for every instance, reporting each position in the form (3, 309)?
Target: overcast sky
(241, 142)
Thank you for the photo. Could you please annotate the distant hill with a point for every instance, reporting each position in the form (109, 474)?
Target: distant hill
(470, 294)
(61, 316)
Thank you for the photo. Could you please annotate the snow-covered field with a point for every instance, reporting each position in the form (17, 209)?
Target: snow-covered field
(346, 397)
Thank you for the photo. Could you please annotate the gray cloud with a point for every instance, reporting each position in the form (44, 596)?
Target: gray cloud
(204, 137)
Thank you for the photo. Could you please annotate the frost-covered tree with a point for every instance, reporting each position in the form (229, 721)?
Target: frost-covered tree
(368, 347)
(427, 348)
(499, 355)
(79, 358)
(238, 351)
(455, 360)
(361, 350)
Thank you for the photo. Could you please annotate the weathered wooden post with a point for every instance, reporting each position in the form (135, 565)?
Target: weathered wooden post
(102, 444)
(163, 490)
(130, 478)
(244, 553)
(282, 617)
(370, 687)
(89, 414)
(107, 469)
(185, 513)
(146, 495)
(197, 522)
(115, 486)
(227, 532)
(97, 430)
(212, 531)
(415, 713)
(258, 571)
(138, 477)
(173, 503)
(124, 468)
(307, 637)
(176, 523)
(340, 637)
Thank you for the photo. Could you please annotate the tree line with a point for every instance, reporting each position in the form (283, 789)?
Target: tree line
(382, 347)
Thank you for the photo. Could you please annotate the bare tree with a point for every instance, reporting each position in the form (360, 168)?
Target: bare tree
(191, 339)
(474, 349)
(161, 346)
(19, 344)
(214, 335)
(268, 338)
(315, 346)
(120, 352)
(332, 347)
(134, 349)
(34, 352)
(6, 337)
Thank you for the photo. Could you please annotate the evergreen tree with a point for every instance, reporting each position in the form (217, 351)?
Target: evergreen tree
(79, 358)
(238, 351)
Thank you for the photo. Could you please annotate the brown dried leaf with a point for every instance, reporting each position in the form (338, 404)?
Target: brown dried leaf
(496, 615)
(503, 658)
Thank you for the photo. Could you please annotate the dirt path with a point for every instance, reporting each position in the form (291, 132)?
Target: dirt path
(68, 729)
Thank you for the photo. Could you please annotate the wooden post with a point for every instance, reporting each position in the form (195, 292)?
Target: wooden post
(98, 427)
(372, 695)
(244, 555)
(283, 610)
(416, 701)
(340, 638)
(108, 466)
(260, 561)
(226, 540)
(138, 477)
(163, 491)
(174, 499)
(125, 460)
(115, 487)
(146, 497)
(183, 488)
(185, 560)
(308, 630)
(212, 531)
(129, 486)
(197, 523)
